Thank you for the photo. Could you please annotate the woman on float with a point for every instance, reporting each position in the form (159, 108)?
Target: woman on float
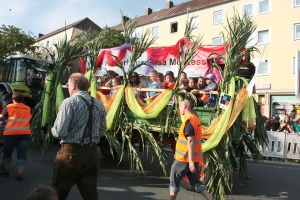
(135, 82)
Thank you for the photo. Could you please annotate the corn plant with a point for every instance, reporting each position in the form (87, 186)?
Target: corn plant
(236, 37)
(44, 114)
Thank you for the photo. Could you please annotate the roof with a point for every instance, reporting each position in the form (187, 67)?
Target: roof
(173, 11)
(83, 24)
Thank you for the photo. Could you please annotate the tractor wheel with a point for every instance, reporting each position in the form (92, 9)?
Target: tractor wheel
(5, 98)
(204, 178)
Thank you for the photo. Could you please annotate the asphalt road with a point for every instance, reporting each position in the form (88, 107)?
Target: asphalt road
(270, 180)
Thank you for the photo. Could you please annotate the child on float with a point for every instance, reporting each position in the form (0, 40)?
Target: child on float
(183, 81)
(116, 81)
(108, 81)
(169, 80)
(192, 84)
(154, 84)
(211, 85)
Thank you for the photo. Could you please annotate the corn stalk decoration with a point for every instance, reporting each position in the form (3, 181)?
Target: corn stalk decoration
(236, 37)
(121, 123)
(44, 113)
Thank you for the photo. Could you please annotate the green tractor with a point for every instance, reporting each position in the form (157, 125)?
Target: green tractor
(24, 74)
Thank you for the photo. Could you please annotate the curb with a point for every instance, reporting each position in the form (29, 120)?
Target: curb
(269, 162)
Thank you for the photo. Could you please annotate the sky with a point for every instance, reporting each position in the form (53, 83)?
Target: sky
(45, 16)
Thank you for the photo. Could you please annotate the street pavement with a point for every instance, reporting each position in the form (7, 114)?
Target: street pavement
(269, 180)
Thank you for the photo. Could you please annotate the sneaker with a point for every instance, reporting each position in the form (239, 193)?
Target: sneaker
(19, 177)
(4, 173)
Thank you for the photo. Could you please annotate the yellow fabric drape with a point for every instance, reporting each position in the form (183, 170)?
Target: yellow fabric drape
(147, 111)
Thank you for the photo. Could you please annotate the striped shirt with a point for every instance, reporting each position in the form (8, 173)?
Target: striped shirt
(72, 117)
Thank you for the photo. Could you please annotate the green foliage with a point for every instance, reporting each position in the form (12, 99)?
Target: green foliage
(66, 52)
(108, 37)
(15, 41)
(236, 36)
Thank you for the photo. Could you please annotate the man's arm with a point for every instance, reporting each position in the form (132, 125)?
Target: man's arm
(2, 118)
(190, 144)
(4, 114)
(62, 122)
(102, 127)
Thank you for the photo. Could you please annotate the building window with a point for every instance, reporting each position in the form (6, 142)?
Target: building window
(174, 27)
(263, 68)
(251, 40)
(54, 41)
(138, 35)
(247, 9)
(218, 17)
(155, 31)
(65, 36)
(263, 6)
(297, 3)
(195, 22)
(263, 37)
(297, 31)
(41, 46)
(47, 44)
(217, 40)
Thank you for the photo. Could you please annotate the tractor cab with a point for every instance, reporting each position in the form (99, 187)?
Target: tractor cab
(24, 74)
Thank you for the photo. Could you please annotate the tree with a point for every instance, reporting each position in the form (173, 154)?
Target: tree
(15, 41)
(111, 38)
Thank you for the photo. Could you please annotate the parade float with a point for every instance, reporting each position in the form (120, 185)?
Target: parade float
(230, 130)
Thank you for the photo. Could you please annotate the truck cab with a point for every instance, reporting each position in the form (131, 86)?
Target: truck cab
(16, 76)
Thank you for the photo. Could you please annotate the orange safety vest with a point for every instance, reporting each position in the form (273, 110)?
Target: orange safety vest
(181, 152)
(18, 119)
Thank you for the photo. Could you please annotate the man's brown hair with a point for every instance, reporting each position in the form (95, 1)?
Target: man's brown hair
(42, 192)
(18, 97)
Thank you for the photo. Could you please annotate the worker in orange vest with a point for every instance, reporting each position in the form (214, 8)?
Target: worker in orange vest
(188, 154)
(17, 133)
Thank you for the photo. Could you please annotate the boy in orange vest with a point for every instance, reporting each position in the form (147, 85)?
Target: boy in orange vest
(188, 152)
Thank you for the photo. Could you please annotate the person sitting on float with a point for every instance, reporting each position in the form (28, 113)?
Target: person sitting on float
(211, 85)
(214, 68)
(201, 83)
(286, 125)
(135, 82)
(169, 80)
(161, 79)
(110, 75)
(192, 84)
(154, 84)
(116, 81)
(200, 87)
(183, 81)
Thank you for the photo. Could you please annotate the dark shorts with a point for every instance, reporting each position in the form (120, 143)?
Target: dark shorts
(179, 170)
(76, 164)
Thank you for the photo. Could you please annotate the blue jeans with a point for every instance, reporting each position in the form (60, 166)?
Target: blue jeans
(179, 170)
(12, 141)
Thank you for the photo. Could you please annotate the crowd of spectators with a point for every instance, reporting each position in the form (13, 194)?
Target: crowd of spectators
(288, 124)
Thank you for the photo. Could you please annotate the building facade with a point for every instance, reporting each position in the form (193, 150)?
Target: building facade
(277, 37)
(68, 32)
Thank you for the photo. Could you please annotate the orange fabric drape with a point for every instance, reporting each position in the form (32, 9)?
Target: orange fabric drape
(107, 99)
(239, 103)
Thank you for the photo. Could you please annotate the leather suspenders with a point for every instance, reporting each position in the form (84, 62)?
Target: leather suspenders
(89, 124)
